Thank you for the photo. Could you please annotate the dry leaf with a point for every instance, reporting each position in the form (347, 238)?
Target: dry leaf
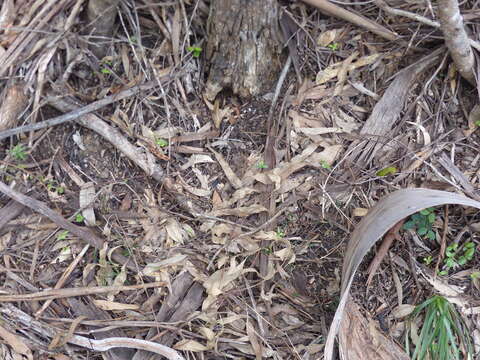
(190, 345)
(333, 70)
(15, 341)
(329, 36)
(114, 306)
(87, 199)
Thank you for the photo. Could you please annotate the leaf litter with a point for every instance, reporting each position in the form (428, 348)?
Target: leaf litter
(198, 208)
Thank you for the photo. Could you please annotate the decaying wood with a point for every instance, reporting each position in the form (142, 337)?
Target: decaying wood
(243, 46)
(13, 105)
(185, 297)
(360, 338)
(101, 16)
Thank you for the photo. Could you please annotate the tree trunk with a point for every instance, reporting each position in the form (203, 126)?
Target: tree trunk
(243, 46)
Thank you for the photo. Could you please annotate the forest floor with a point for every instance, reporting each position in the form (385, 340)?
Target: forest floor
(213, 228)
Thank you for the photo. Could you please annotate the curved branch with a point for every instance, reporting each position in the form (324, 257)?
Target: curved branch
(456, 38)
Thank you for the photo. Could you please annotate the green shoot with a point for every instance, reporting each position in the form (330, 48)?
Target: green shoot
(443, 336)
(79, 218)
(18, 152)
(261, 165)
(280, 232)
(195, 50)
(325, 165)
(62, 235)
(428, 260)
(387, 171)
(456, 256)
(161, 142)
(333, 46)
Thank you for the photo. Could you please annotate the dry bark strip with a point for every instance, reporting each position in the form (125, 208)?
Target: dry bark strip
(53, 294)
(10, 212)
(12, 107)
(356, 19)
(387, 111)
(101, 15)
(185, 297)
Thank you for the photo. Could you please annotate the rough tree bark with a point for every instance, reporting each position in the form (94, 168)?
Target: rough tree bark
(456, 38)
(243, 47)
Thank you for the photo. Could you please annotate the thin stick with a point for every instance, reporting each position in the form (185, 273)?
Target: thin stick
(75, 114)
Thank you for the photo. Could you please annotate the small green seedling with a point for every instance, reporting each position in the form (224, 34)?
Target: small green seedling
(79, 218)
(456, 256)
(325, 165)
(477, 123)
(422, 222)
(428, 260)
(105, 71)
(195, 50)
(261, 165)
(280, 233)
(18, 152)
(475, 275)
(161, 142)
(387, 171)
(444, 334)
(62, 235)
(333, 46)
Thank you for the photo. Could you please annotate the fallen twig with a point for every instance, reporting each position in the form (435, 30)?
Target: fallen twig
(53, 294)
(92, 344)
(75, 114)
(82, 233)
(344, 14)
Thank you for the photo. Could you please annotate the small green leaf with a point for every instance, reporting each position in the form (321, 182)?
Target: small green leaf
(462, 260)
(387, 171)
(62, 235)
(325, 165)
(416, 217)
(424, 212)
(431, 235)
(443, 272)
(261, 165)
(469, 245)
(469, 253)
(477, 123)
(79, 218)
(105, 71)
(195, 50)
(161, 142)
(409, 225)
(431, 218)
(422, 231)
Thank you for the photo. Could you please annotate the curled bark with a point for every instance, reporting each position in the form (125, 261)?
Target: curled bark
(456, 38)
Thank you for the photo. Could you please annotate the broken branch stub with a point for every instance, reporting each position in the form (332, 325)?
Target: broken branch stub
(242, 49)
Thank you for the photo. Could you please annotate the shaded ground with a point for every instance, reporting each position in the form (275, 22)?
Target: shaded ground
(250, 255)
